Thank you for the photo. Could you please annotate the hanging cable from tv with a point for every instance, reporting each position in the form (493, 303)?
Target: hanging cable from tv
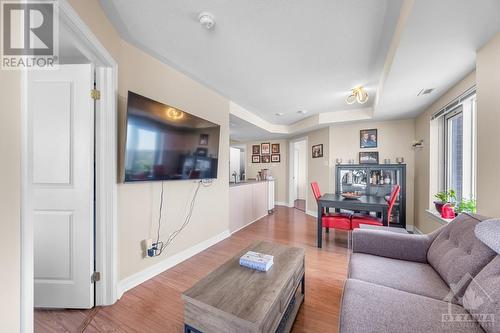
(159, 246)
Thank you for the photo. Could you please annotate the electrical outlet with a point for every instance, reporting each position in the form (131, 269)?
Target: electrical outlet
(148, 248)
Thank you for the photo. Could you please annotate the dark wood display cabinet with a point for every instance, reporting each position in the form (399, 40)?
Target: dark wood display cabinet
(377, 180)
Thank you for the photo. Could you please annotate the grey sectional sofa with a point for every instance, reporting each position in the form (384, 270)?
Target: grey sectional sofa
(446, 281)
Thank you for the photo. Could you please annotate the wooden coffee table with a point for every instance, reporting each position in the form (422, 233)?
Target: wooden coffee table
(237, 299)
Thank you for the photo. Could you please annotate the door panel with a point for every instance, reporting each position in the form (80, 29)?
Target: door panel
(61, 167)
(52, 149)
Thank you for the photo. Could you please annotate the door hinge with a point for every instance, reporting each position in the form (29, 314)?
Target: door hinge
(96, 276)
(95, 94)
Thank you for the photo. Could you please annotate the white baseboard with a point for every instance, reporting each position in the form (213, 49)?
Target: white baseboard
(417, 231)
(312, 213)
(410, 228)
(146, 274)
(281, 203)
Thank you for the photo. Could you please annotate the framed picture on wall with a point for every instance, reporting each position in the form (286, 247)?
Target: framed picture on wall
(256, 158)
(275, 158)
(275, 148)
(266, 159)
(265, 148)
(256, 150)
(203, 139)
(368, 138)
(317, 151)
(368, 157)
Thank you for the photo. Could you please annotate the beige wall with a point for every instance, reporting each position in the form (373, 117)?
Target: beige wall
(488, 122)
(138, 203)
(278, 170)
(426, 160)
(10, 196)
(394, 140)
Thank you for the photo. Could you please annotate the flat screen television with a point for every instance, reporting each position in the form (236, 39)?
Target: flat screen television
(165, 143)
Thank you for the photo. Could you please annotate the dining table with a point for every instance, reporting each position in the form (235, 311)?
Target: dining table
(368, 203)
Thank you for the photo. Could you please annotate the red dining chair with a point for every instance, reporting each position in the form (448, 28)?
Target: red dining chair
(357, 219)
(341, 221)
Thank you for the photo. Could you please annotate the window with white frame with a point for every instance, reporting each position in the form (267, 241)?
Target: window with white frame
(458, 126)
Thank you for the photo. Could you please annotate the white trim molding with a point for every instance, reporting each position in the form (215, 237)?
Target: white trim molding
(417, 231)
(307, 124)
(169, 262)
(312, 213)
(282, 203)
(436, 217)
(106, 134)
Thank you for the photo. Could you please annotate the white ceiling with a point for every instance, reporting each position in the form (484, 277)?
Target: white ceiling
(437, 49)
(267, 56)
(286, 55)
(244, 131)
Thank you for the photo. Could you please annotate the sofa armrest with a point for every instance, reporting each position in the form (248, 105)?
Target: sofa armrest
(392, 245)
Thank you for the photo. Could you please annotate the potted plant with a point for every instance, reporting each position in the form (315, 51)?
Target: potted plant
(466, 206)
(445, 197)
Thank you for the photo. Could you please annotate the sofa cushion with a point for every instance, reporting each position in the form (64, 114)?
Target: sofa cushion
(413, 277)
(457, 252)
(482, 297)
(367, 307)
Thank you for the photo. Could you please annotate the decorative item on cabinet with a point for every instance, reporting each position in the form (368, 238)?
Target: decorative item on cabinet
(368, 157)
(387, 179)
(371, 179)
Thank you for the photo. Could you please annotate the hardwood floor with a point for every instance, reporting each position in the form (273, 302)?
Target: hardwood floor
(156, 305)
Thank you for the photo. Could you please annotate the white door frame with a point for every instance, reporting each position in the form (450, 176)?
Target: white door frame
(291, 171)
(105, 171)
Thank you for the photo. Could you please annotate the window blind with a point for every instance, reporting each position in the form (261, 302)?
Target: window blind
(455, 103)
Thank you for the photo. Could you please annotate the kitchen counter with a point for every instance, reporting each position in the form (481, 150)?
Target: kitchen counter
(249, 201)
(247, 182)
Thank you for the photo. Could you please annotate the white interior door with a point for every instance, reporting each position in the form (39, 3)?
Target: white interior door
(296, 174)
(61, 185)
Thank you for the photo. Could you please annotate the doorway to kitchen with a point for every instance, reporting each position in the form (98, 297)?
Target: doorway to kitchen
(300, 174)
(237, 163)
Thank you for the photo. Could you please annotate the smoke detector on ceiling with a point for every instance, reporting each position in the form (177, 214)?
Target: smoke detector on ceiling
(207, 20)
(425, 91)
(302, 111)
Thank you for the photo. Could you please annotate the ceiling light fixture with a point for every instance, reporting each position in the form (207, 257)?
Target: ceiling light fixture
(207, 20)
(174, 114)
(302, 111)
(279, 114)
(358, 94)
